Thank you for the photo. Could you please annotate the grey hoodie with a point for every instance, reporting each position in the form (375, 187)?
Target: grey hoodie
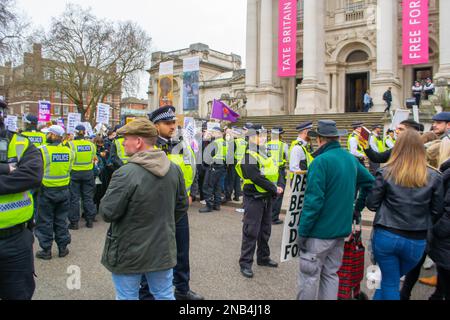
(154, 161)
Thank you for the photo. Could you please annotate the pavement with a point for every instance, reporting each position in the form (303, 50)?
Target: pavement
(215, 248)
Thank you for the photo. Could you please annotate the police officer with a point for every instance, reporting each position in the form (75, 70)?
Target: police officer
(236, 151)
(299, 156)
(118, 155)
(377, 144)
(180, 153)
(261, 185)
(82, 179)
(279, 152)
(31, 132)
(353, 143)
(215, 160)
(20, 172)
(54, 196)
(389, 140)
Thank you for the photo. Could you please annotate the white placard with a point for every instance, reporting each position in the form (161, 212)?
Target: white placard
(400, 116)
(103, 112)
(166, 68)
(212, 125)
(11, 123)
(416, 113)
(73, 120)
(189, 128)
(289, 245)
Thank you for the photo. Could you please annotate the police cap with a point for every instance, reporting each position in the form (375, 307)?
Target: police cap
(305, 126)
(163, 114)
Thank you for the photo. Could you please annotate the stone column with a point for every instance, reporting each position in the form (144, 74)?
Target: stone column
(387, 56)
(312, 93)
(266, 44)
(252, 44)
(444, 44)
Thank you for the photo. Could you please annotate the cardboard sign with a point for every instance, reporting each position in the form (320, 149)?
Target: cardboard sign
(103, 113)
(289, 246)
(73, 120)
(11, 123)
(45, 112)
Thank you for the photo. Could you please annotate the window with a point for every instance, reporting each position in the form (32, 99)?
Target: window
(48, 74)
(57, 95)
(29, 71)
(300, 10)
(109, 98)
(65, 110)
(100, 82)
(357, 56)
(57, 110)
(354, 5)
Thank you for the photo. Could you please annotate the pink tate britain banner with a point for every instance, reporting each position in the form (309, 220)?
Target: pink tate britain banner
(287, 38)
(415, 32)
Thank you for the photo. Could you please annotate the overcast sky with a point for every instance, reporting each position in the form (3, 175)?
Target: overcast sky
(172, 24)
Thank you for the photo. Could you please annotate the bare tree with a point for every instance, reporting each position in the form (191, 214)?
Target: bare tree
(93, 58)
(13, 28)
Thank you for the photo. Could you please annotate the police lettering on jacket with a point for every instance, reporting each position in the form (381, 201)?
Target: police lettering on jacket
(84, 149)
(60, 157)
(38, 140)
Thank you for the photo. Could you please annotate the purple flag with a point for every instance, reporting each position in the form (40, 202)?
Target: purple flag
(221, 111)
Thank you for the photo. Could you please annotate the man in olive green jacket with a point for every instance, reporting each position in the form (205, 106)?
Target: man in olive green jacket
(144, 200)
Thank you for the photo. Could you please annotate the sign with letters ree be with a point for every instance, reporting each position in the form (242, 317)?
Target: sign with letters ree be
(289, 245)
(415, 32)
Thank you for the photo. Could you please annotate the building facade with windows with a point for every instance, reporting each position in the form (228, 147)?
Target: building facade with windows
(32, 81)
(344, 47)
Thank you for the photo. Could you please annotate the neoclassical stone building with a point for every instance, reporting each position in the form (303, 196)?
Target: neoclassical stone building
(221, 76)
(344, 47)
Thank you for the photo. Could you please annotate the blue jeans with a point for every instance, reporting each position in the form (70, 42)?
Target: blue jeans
(396, 256)
(160, 283)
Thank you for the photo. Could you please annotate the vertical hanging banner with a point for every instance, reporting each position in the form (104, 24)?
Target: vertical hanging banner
(289, 245)
(165, 86)
(45, 112)
(191, 77)
(415, 32)
(287, 38)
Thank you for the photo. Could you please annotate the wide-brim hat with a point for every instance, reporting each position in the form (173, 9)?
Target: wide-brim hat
(327, 129)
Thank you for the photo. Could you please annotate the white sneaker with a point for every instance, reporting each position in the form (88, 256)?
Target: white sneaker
(240, 210)
(203, 202)
(428, 264)
(402, 279)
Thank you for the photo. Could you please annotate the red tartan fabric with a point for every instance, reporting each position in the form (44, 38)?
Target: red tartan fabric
(352, 271)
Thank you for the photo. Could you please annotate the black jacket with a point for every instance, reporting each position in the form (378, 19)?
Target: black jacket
(378, 157)
(28, 174)
(440, 243)
(387, 96)
(406, 209)
(252, 172)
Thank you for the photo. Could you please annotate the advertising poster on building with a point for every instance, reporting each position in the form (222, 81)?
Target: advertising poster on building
(165, 84)
(45, 111)
(73, 119)
(191, 76)
(289, 245)
(103, 113)
(287, 38)
(415, 32)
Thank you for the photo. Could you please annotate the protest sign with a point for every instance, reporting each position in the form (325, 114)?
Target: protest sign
(45, 112)
(73, 119)
(103, 113)
(11, 123)
(289, 245)
(400, 116)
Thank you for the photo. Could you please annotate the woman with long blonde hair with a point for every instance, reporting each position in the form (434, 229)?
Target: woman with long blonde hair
(406, 195)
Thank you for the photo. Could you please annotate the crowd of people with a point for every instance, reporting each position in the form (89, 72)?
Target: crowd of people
(47, 176)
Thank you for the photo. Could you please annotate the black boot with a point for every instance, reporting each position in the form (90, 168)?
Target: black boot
(89, 224)
(44, 254)
(63, 252)
(205, 210)
(73, 226)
